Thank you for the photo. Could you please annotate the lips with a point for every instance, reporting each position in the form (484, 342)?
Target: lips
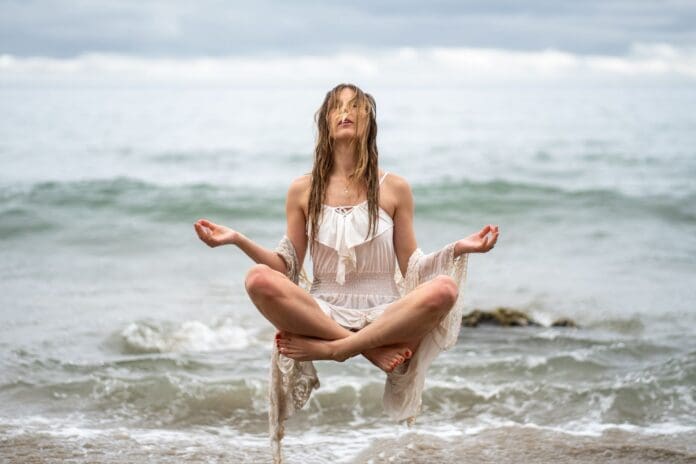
(345, 122)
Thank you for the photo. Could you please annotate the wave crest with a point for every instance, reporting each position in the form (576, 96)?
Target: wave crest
(413, 66)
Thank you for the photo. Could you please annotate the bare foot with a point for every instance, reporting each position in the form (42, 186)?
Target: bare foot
(303, 348)
(388, 357)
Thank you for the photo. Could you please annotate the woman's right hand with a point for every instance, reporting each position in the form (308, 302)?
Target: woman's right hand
(213, 234)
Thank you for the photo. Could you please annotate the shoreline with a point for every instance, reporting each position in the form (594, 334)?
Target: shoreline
(500, 445)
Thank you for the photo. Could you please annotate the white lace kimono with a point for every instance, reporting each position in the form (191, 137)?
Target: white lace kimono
(292, 382)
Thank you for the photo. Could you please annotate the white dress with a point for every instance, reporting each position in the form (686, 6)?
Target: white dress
(353, 274)
(355, 279)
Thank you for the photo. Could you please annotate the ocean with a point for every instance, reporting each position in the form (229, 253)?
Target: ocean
(123, 338)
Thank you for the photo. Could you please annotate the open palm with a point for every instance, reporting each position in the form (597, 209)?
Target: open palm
(481, 241)
(214, 234)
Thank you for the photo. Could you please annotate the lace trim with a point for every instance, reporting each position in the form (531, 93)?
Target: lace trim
(291, 382)
(403, 388)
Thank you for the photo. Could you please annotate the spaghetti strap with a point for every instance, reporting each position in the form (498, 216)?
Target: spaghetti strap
(383, 176)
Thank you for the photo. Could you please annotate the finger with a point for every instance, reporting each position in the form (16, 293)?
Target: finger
(202, 233)
(200, 229)
(207, 223)
(484, 231)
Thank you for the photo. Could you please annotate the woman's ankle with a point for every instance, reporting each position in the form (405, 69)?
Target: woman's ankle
(339, 351)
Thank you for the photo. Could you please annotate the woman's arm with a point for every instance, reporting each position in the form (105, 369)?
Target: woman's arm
(215, 235)
(404, 235)
(298, 196)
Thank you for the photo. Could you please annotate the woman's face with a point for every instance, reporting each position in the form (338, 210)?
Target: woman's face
(344, 120)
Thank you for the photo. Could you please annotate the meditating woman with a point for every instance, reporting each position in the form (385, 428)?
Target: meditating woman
(373, 292)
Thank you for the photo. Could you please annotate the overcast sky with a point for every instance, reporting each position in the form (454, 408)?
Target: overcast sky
(62, 28)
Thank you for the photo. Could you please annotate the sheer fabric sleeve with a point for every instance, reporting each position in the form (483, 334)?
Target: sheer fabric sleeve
(404, 386)
(291, 382)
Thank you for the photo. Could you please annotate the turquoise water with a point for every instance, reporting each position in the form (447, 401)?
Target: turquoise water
(122, 333)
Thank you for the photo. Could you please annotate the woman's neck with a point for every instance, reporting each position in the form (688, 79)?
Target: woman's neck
(344, 157)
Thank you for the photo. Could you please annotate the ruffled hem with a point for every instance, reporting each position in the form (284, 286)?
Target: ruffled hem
(354, 318)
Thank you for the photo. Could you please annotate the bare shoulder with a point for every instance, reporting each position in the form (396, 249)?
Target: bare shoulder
(299, 185)
(397, 184)
(396, 193)
(298, 192)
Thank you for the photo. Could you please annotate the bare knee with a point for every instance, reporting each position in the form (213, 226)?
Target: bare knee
(444, 293)
(259, 281)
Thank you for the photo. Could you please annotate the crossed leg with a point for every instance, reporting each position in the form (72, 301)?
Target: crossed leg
(407, 319)
(296, 315)
(309, 334)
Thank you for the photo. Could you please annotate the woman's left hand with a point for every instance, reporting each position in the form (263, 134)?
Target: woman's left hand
(478, 242)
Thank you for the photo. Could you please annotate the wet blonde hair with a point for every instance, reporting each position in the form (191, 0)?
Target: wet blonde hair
(366, 171)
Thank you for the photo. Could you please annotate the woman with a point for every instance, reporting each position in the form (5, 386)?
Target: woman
(358, 222)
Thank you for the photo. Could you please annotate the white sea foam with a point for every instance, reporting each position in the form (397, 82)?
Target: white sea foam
(406, 66)
(589, 428)
(188, 336)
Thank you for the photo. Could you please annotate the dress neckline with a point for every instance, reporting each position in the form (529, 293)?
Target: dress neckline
(346, 206)
(362, 202)
(336, 209)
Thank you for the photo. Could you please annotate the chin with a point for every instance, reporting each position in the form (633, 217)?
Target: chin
(344, 135)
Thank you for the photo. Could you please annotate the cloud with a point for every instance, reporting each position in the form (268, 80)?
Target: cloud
(157, 28)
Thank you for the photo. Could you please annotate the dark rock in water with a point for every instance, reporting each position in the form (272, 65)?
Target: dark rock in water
(507, 317)
(564, 322)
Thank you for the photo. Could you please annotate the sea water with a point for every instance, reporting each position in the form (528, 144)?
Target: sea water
(123, 338)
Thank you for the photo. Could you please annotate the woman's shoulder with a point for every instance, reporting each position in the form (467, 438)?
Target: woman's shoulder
(302, 182)
(298, 191)
(397, 184)
(395, 193)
